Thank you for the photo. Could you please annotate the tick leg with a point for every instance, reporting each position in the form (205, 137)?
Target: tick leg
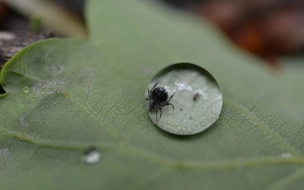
(150, 107)
(170, 98)
(149, 93)
(154, 86)
(167, 104)
(160, 112)
(156, 115)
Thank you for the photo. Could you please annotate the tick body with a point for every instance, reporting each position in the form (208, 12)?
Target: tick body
(158, 98)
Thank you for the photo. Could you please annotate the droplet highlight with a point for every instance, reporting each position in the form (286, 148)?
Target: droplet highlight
(26, 90)
(91, 156)
(195, 97)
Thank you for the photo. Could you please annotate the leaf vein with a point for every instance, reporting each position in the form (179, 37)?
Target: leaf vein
(263, 127)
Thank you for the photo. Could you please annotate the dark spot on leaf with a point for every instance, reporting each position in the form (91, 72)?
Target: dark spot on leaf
(2, 91)
(195, 97)
(89, 150)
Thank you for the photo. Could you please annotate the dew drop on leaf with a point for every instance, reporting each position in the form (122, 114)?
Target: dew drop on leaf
(26, 90)
(91, 156)
(196, 98)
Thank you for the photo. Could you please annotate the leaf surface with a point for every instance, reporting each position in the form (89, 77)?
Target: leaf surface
(91, 93)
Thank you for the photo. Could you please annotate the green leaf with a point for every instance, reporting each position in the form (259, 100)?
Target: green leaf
(85, 93)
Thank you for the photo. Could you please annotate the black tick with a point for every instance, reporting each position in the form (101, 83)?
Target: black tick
(158, 98)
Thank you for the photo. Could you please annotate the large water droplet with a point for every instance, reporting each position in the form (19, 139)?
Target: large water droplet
(26, 90)
(91, 156)
(197, 100)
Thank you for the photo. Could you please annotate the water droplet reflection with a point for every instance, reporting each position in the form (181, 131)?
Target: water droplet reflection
(91, 156)
(197, 99)
(26, 90)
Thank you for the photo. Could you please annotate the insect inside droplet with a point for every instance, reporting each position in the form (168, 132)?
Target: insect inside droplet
(158, 98)
(192, 92)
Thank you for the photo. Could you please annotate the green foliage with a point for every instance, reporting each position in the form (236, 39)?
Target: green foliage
(35, 24)
(91, 93)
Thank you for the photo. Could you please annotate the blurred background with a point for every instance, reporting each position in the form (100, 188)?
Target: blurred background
(36, 15)
(268, 29)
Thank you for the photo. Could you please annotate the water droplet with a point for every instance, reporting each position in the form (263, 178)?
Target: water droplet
(196, 98)
(285, 155)
(91, 156)
(26, 90)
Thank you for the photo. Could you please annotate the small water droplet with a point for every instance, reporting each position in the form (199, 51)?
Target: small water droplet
(26, 90)
(194, 93)
(91, 156)
(285, 155)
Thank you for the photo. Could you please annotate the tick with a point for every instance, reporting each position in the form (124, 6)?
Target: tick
(158, 98)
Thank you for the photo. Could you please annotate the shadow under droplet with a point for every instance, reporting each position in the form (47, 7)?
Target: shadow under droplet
(90, 149)
(2, 91)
